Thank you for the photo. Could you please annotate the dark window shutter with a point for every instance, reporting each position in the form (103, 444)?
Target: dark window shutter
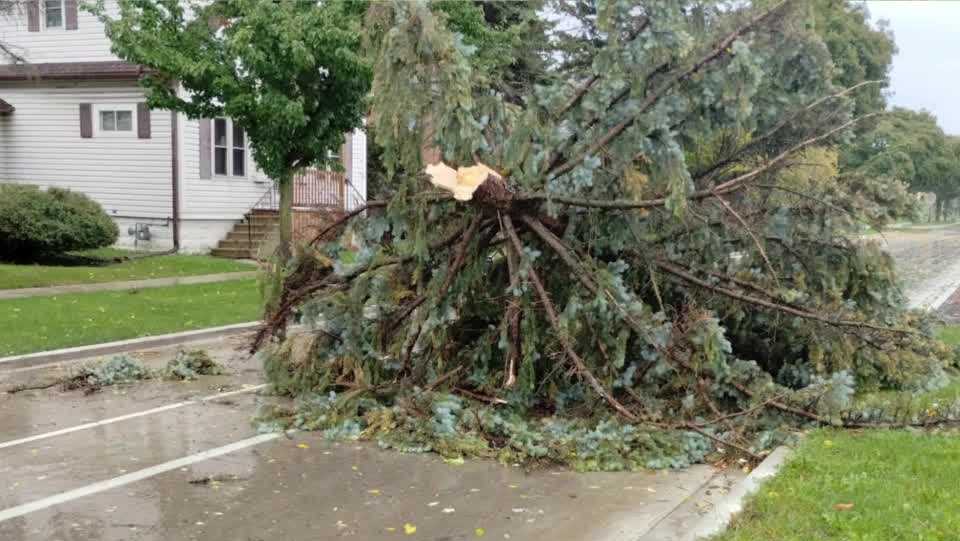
(205, 150)
(33, 15)
(86, 120)
(143, 121)
(70, 17)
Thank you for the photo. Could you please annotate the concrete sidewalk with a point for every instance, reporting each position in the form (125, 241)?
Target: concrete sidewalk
(124, 286)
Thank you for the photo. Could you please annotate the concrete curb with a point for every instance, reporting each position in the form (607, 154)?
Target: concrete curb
(135, 344)
(731, 504)
(124, 286)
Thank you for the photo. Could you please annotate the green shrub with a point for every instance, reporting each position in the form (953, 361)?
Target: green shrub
(34, 222)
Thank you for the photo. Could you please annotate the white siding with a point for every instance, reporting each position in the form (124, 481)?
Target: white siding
(357, 187)
(42, 145)
(87, 43)
(6, 128)
(220, 197)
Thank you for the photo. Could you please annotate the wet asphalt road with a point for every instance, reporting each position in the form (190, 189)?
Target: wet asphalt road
(927, 262)
(149, 476)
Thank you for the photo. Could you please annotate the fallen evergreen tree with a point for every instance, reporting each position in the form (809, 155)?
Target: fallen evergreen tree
(650, 255)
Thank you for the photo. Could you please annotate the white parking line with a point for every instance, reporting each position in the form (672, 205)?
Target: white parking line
(20, 510)
(160, 409)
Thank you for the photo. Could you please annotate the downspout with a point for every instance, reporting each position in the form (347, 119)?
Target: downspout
(175, 178)
(174, 189)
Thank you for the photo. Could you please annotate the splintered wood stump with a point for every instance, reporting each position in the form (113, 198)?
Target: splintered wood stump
(478, 183)
(494, 192)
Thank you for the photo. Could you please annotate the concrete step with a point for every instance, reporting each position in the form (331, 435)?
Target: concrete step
(261, 220)
(260, 229)
(240, 233)
(234, 253)
(245, 244)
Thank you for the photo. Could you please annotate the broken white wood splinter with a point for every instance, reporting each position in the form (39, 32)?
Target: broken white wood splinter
(461, 182)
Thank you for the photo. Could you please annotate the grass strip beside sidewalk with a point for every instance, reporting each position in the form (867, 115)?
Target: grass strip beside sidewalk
(86, 269)
(47, 323)
(859, 485)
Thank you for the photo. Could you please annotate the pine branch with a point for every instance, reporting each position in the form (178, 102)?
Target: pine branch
(755, 457)
(756, 241)
(585, 88)
(759, 142)
(726, 187)
(457, 260)
(691, 279)
(652, 99)
(346, 218)
(277, 320)
(554, 320)
(576, 267)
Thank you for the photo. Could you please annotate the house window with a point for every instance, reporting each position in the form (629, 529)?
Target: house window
(116, 121)
(53, 13)
(229, 148)
(239, 152)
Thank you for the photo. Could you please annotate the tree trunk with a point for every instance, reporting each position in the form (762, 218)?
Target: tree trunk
(286, 218)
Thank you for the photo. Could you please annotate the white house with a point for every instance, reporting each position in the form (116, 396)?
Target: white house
(72, 115)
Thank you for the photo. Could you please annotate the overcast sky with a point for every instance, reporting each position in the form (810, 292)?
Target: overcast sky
(926, 71)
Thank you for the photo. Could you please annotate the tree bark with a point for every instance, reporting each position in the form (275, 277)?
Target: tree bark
(284, 251)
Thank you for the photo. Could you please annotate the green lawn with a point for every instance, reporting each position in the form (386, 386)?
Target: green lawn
(950, 334)
(846, 485)
(84, 269)
(45, 323)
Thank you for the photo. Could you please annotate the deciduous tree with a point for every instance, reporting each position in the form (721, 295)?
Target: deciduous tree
(290, 73)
